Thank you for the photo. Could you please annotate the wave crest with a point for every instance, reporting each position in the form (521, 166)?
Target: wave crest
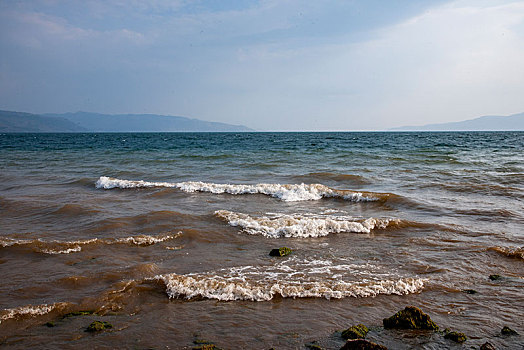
(30, 310)
(285, 192)
(295, 279)
(517, 253)
(66, 247)
(301, 226)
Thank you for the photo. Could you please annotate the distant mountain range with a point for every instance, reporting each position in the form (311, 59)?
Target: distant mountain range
(513, 122)
(95, 122)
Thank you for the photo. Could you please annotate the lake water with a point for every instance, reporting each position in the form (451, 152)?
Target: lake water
(167, 237)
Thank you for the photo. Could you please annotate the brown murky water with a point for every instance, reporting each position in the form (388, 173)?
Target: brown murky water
(376, 222)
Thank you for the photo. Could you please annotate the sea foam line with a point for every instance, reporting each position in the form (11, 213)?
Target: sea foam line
(285, 192)
(301, 279)
(29, 310)
(301, 226)
(67, 247)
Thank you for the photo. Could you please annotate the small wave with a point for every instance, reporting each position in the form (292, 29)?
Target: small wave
(517, 253)
(66, 247)
(336, 177)
(280, 225)
(298, 279)
(285, 192)
(29, 310)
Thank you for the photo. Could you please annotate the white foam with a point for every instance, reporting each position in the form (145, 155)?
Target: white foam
(294, 278)
(280, 225)
(146, 240)
(286, 192)
(28, 310)
(67, 247)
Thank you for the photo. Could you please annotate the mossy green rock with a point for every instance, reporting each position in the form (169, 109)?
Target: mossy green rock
(79, 313)
(361, 344)
(206, 347)
(313, 345)
(97, 326)
(456, 337)
(508, 331)
(355, 332)
(283, 251)
(495, 277)
(50, 324)
(410, 318)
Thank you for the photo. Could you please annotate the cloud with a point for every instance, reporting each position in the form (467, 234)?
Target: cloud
(280, 65)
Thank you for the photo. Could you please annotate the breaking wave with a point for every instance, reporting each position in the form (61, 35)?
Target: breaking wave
(302, 226)
(285, 192)
(292, 279)
(66, 247)
(30, 310)
(517, 253)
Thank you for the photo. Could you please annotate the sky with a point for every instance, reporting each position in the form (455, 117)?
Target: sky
(275, 65)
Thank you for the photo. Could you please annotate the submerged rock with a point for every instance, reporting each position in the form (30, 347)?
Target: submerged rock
(313, 345)
(470, 291)
(361, 344)
(206, 347)
(487, 346)
(79, 313)
(97, 326)
(456, 337)
(508, 331)
(283, 251)
(495, 277)
(355, 332)
(50, 324)
(410, 318)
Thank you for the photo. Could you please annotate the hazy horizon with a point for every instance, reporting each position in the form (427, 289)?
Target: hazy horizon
(268, 65)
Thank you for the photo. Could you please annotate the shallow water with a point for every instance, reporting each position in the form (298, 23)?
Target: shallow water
(167, 237)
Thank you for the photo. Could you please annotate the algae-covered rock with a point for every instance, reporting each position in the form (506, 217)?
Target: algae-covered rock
(313, 346)
(79, 313)
(470, 291)
(487, 346)
(456, 337)
(410, 318)
(206, 347)
(355, 332)
(495, 277)
(508, 331)
(283, 251)
(97, 326)
(50, 324)
(361, 344)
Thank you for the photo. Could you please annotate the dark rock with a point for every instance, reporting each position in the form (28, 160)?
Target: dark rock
(97, 326)
(79, 313)
(355, 332)
(283, 251)
(410, 318)
(361, 344)
(470, 291)
(495, 277)
(313, 345)
(206, 347)
(456, 337)
(50, 324)
(487, 346)
(508, 331)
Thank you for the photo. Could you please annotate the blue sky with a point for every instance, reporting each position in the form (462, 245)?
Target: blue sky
(270, 65)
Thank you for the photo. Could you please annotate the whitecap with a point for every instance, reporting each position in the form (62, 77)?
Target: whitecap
(300, 225)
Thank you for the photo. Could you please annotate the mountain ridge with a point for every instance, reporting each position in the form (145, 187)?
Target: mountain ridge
(514, 122)
(12, 121)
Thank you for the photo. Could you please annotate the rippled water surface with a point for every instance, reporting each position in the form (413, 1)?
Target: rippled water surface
(167, 237)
